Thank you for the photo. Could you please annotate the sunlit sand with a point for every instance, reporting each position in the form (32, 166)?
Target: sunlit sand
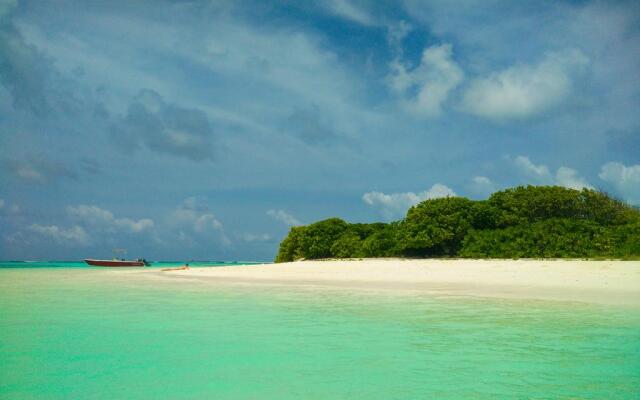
(606, 282)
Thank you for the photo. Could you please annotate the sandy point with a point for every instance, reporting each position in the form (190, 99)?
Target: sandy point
(605, 282)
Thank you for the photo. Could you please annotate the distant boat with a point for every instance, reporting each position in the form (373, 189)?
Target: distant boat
(118, 261)
(141, 262)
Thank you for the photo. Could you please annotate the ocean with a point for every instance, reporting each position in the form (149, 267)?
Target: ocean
(72, 332)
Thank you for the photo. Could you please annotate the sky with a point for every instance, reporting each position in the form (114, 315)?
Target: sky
(204, 130)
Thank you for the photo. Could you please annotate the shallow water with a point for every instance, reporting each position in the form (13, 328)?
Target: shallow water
(97, 334)
(83, 265)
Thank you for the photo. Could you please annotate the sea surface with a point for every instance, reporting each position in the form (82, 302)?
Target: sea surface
(154, 264)
(68, 332)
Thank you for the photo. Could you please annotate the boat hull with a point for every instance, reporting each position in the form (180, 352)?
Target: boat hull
(114, 263)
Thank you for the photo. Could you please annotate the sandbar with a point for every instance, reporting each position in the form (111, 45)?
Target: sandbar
(604, 282)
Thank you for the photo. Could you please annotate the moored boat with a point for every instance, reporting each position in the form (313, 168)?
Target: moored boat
(118, 260)
(117, 263)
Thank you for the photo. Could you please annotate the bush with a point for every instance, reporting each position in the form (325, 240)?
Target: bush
(549, 238)
(531, 221)
(382, 243)
(348, 245)
(435, 227)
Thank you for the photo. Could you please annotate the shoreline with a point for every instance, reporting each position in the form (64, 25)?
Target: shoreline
(600, 282)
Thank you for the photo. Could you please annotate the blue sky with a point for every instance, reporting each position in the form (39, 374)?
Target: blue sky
(205, 129)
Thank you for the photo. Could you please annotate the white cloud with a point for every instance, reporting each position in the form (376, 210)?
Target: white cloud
(75, 235)
(166, 128)
(194, 213)
(427, 86)
(482, 185)
(396, 34)
(36, 169)
(395, 205)
(541, 174)
(28, 173)
(286, 69)
(284, 217)
(206, 221)
(626, 179)
(263, 71)
(538, 172)
(524, 90)
(347, 9)
(96, 216)
(569, 178)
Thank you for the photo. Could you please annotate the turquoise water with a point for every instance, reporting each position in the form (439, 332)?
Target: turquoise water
(154, 264)
(98, 334)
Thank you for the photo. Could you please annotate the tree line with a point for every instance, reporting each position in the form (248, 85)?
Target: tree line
(521, 222)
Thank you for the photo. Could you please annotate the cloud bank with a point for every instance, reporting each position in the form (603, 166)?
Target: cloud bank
(540, 174)
(426, 87)
(626, 179)
(524, 90)
(104, 219)
(395, 205)
(284, 217)
(165, 128)
(73, 236)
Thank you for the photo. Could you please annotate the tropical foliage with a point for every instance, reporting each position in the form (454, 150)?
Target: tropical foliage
(531, 221)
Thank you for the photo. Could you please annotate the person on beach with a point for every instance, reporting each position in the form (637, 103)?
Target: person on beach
(185, 267)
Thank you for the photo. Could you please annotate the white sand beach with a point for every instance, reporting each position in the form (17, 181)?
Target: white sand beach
(604, 282)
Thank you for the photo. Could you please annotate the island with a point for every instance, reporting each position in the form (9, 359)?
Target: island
(520, 222)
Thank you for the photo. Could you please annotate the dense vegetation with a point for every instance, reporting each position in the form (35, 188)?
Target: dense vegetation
(532, 221)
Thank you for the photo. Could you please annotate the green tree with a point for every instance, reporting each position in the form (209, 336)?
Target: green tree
(435, 227)
(559, 237)
(291, 247)
(383, 242)
(526, 221)
(348, 245)
(316, 239)
(626, 239)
